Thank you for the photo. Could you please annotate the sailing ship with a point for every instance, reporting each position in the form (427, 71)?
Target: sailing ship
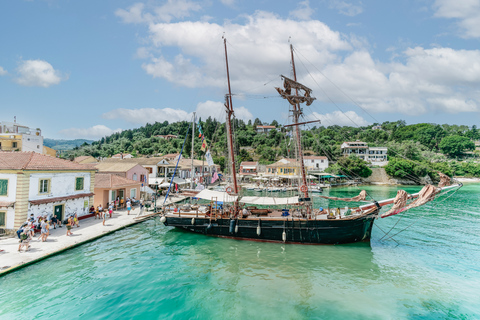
(290, 219)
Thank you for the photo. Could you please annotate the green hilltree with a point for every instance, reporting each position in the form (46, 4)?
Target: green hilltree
(456, 145)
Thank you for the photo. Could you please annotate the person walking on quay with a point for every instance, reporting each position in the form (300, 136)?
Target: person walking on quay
(129, 206)
(45, 230)
(43, 234)
(104, 218)
(75, 220)
(69, 226)
(110, 209)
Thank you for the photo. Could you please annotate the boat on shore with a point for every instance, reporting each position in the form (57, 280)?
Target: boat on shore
(287, 219)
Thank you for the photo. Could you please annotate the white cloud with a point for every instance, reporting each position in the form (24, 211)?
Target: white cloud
(38, 73)
(349, 118)
(346, 8)
(94, 132)
(416, 81)
(428, 77)
(228, 3)
(205, 109)
(466, 12)
(3, 71)
(303, 11)
(172, 9)
(259, 50)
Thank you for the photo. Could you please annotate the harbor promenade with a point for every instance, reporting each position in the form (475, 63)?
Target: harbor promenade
(90, 229)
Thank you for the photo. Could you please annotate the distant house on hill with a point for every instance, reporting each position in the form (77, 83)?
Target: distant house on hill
(374, 155)
(379, 127)
(32, 183)
(264, 129)
(167, 136)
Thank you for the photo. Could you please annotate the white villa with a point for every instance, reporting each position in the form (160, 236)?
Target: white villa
(374, 155)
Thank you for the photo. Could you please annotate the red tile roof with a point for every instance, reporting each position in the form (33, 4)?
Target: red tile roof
(314, 157)
(112, 181)
(37, 161)
(249, 163)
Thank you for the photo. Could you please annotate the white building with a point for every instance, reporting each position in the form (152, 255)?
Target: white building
(264, 129)
(315, 163)
(14, 136)
(377, 156)
(374, 155)
(31, 183)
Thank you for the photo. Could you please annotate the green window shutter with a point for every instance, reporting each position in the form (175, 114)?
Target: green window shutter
(3, 187)
(79, 183)
(2, 219)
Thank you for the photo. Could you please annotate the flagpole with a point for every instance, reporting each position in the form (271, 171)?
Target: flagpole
(193, 141)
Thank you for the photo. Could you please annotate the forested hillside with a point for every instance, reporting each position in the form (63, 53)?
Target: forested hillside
(413, 149)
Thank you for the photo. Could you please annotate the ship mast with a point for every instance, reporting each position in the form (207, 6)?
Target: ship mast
(229, 107)
(297, 111)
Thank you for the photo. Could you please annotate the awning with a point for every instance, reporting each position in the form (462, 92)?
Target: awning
(58, 199)
(147, 189)
(269, 200)
(154, 181)
(6, 204)
(219, 195)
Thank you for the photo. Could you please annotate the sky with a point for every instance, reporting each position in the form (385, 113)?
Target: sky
(86, 69)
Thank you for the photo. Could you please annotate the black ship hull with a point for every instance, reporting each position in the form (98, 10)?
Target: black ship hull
(302, 231)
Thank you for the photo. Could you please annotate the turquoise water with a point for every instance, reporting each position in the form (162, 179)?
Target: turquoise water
(150, 271)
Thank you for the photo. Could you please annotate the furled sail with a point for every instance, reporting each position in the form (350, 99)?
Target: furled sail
(290, 84)
(269, 200)
(444, 180)
(361, 197)
(425, 195)
(399, 203)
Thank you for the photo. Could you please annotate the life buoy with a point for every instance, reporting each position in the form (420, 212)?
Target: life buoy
(229, 190)
(303, 188)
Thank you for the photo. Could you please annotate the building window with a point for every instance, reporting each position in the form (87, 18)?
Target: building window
(135, 176)
(3, 187)
(2, 219)
(133, 193)
(44, 186)
(38, 146)
(14, 144)
(79, 183)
